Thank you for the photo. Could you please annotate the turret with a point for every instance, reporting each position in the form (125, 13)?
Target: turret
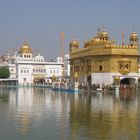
(134, 39)
(74, 44)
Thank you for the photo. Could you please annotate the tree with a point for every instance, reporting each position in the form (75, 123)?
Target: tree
(4, 72)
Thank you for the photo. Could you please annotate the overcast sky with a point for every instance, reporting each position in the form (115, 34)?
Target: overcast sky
(40, 22)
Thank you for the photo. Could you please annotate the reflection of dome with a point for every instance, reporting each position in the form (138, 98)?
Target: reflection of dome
(134, 36)
(74, 43)
(25, 48)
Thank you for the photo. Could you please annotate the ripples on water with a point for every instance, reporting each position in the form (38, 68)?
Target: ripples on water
(37, 113)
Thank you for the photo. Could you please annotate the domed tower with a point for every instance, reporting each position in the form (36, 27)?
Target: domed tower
(103, 35)
(74, 44)
(25, 51)
(134, 39)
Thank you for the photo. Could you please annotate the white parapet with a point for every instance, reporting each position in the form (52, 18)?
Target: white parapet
(108, 78)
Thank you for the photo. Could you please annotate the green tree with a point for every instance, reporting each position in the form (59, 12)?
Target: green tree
(4, 72)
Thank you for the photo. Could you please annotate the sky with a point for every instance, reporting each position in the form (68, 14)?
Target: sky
(40, 22)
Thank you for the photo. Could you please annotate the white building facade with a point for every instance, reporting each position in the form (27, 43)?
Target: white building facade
(29, 69)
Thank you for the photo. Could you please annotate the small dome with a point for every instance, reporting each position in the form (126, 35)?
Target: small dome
(25, 48)
(101, 35)
(74, 42)
(104, 34)
(134, 36)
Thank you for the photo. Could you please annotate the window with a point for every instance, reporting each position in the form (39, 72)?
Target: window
(100, 68)
(126, 66)
(121, 66)
(76, 68)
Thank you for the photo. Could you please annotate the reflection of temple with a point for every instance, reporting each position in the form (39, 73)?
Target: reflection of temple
(22, 98)
(37, 105)
(101, 60)
(127, 93)
(104, 117)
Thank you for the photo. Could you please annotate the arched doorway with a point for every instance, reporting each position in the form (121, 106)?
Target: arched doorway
(127, 81)
(39, 81)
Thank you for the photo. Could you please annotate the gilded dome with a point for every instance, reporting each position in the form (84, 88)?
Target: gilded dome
(104, 34)
(25, 48)
(134, 36)
(101, 35)
(74, 43)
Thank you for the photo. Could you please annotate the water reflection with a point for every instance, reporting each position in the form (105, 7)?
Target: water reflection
(4, 97)
(38, 113)
(104, 116)
(127, 94)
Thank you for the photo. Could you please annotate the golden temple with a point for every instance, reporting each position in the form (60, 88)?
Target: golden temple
(101, 60)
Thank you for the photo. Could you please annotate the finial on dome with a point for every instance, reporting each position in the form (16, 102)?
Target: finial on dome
(25, 42)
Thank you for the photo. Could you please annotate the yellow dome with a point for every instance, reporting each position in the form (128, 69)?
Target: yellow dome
(25, 48)
(74, 42)
(104, 34)
(133, 36)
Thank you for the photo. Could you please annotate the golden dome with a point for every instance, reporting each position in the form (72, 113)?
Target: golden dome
(104, 34)
(74, 43)
(101, 35)
(134, 36)
(25, 48)
(87, 43)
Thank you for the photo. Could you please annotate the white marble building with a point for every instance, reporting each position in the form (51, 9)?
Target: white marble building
(30, 69)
